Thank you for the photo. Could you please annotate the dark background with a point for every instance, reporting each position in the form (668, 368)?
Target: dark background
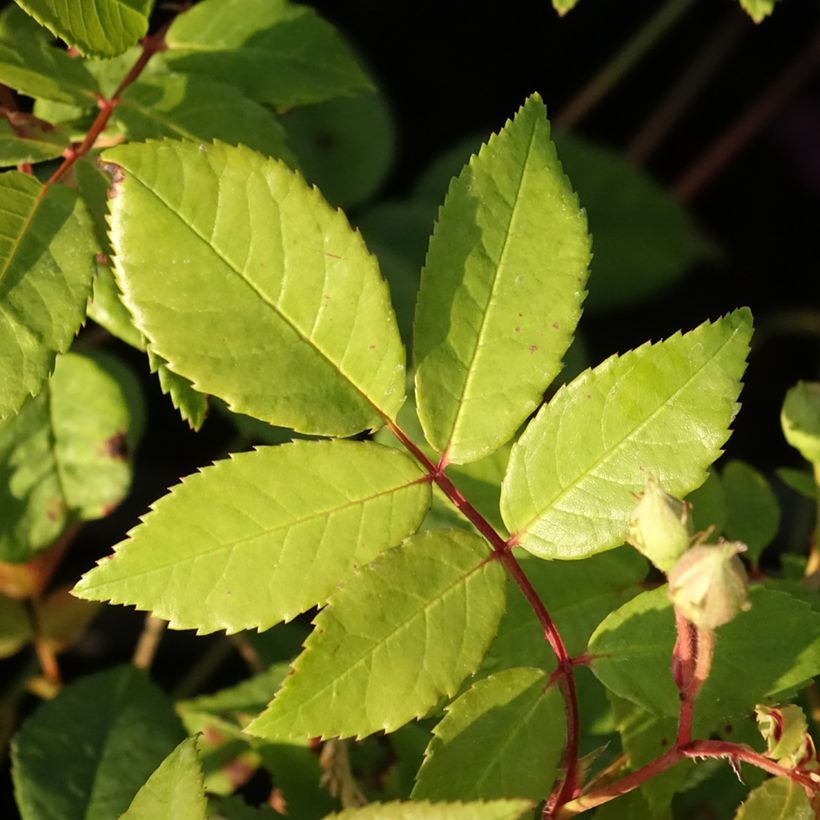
(454, 68)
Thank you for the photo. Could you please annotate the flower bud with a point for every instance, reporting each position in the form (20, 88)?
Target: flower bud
(786, 734)
(708, 584)
(800, 419)
(660, 527)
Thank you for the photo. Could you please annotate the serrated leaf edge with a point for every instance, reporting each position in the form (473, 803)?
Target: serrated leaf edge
(195, 477)
(312, 191)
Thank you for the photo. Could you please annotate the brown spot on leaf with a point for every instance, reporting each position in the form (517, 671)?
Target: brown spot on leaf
(55, 509)
(116, 447)
(533, 348)
(517, 329)
(117, 177)
(102, 259)
(556, 325)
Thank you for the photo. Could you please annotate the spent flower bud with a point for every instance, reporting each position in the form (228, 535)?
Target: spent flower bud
(786, 734)
(660, 527)
(708, 585)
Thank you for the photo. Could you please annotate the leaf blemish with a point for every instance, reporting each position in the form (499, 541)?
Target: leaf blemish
(116, 446)
(533, 348)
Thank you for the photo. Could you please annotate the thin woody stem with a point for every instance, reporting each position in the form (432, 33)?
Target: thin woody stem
(696, 749)
(619, 66)
(149, 641)
(502, 551)
(150, 46)
(691, 81)
(751, 121)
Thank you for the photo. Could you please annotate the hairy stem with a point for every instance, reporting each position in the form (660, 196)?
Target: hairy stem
(619, 66)
(684, 659)
(502, 551)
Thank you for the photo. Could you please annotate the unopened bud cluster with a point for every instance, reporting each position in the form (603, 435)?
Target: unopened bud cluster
(707, 582)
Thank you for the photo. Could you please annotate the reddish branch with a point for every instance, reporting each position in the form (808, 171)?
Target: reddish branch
(750, 122)
(150, 46)
(502, 551)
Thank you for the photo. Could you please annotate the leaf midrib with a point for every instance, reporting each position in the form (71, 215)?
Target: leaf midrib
(624, 440)
(414, 615)
(279, 313)
(264, 532)
(15, 249)
(499, 266)
(517, 729)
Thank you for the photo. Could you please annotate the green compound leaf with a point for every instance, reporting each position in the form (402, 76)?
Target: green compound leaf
(277, 52)
(753, 514)
(758, 10)
(772, 647)
(175, 791)
(104, 734)
(502, 738)
(405, 630)
(99, 27)
(776, 799)
(261, 537)
(578, 595)
(31, 65)
(31, 141)
(643, 238)
(64, 456)
(423, 810)
(198, 108)
(46, 267)
(501, 290)
(270, 280)
(663, 409)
